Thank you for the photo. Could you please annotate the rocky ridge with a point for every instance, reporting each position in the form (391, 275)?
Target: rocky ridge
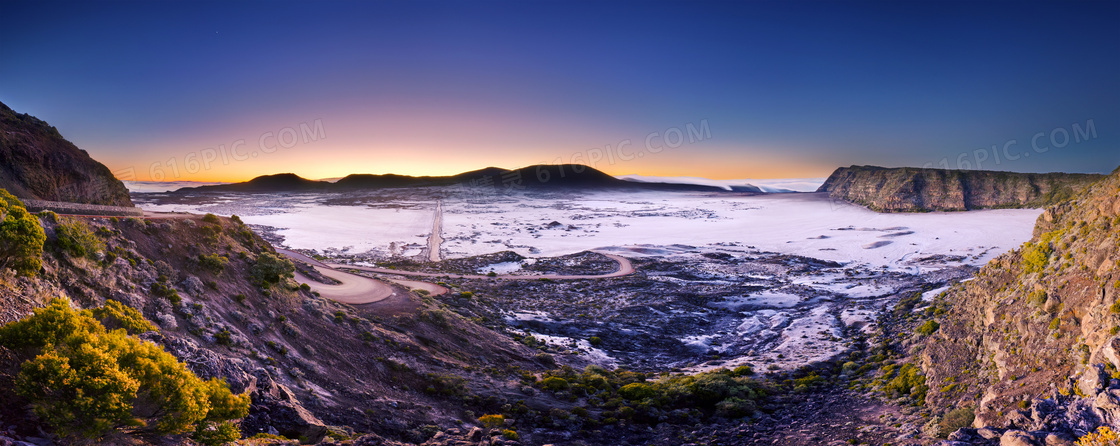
(1032, 344)
(909, 189)
(36, 162)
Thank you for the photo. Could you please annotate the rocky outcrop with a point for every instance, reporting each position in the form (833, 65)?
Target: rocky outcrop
(908, 189)
(36, 162)
(1032, 342)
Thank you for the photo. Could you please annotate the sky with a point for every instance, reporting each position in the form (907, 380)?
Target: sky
(226, 91)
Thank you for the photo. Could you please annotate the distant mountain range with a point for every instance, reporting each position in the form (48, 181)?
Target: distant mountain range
(882, 189)
(537, 177)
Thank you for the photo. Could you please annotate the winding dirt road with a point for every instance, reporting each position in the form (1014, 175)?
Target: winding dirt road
(356, 289)
(625, 268)
(351, 289)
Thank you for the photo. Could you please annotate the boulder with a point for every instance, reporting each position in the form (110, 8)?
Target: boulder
(1017, 438)
(275, 407)
(1059, 439)
(989, 433)
(1111, 351)
(1093, 380)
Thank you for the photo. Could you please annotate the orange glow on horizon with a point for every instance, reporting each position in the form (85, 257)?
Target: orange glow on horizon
(316, 172)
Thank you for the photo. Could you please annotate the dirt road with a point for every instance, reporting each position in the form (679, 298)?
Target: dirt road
(352, 289)
(624, 268)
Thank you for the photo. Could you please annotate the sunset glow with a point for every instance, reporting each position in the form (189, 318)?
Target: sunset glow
(440, 88)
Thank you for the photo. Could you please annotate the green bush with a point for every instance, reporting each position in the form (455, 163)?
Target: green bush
(639, 399)
(21, 237)
(76, 239)
(636, 391)
(223, 337)
(492, 421)
(88, 381)
(735, 407)
(1035, 257)
(743, 370)
(510, 435)
(212, 219)
(1037, 298)
(213, 262)
(554, 383)
(270, 269)
(594, 340)
(115, 315)
(955, 419)
(909, 382)
(928, 328)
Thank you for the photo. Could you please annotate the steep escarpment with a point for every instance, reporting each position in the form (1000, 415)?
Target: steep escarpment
(37, 162)
(1033, 342)
(908, 189)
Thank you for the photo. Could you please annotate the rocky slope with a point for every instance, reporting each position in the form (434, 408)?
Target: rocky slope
(404, 368)
(1033, 342)
(37, 162)
(908, 189)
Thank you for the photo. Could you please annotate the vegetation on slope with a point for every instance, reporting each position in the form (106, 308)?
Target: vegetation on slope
(1038, 322)
(21, 237)
(84, 380)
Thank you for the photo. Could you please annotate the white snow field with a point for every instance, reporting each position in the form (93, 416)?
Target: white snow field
(799, 318)
(810, 225)
(630, 224)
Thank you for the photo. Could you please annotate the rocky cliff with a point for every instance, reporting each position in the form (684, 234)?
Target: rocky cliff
(1033, 342)
(908, 189)
(37, 162)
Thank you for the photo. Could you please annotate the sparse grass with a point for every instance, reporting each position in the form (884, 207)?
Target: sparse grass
(77, 239)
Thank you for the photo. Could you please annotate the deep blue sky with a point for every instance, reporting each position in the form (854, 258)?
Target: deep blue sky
(787, 89)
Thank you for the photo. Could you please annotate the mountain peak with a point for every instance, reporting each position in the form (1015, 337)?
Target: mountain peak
(36, 162)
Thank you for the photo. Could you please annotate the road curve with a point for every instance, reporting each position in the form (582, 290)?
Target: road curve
(352, 289)
(625, 268)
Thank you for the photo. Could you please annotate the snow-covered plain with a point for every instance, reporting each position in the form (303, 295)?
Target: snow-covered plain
(788, 314)
(628, 223)
(809, 225)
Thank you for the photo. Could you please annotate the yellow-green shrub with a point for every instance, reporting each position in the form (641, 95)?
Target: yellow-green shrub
(1104, 436)
(21, 237)
(87, 381)
(492, 421)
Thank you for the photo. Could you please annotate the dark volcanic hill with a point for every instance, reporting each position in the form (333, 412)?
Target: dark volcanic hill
(37, 162)
(909, 189)
(538, 177)
(270, 183)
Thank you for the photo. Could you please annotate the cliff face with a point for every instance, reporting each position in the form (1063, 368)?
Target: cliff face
(37, 162)
(908, 189)
(1034, 340)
